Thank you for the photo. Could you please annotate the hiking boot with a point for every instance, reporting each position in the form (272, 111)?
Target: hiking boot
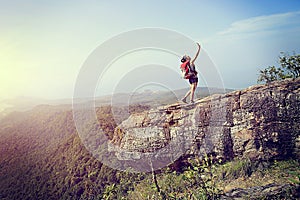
(192, 101)
(184, 100)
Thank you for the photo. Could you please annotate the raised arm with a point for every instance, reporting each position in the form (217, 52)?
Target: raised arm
(196, 53)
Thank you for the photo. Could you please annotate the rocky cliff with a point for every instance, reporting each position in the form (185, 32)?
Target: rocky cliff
(260, 122)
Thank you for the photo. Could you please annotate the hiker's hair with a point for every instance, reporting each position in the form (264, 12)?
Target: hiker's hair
(183, 59)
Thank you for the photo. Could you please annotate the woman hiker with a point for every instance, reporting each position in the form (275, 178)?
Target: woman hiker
(189, 72)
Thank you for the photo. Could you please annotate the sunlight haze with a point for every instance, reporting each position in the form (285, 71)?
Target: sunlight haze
(44, 44)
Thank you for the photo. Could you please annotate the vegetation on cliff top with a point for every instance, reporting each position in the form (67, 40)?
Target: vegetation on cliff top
(289, 68)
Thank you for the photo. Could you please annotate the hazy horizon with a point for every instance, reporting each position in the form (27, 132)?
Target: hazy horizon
(22, 103)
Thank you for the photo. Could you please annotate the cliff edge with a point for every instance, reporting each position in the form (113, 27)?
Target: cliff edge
(260, 122)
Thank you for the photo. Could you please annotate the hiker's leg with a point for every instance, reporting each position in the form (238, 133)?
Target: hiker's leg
(187, 94)
(193, 88)
(191, 91)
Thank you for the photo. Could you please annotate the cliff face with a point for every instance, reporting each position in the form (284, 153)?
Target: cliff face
(260, 122)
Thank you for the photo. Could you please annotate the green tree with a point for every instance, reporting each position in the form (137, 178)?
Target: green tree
(291, 64)
(270, 74)
(289, 68)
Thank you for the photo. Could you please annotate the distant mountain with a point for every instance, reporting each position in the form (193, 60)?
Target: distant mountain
(156, 98)
(152, 98)
(22, 103)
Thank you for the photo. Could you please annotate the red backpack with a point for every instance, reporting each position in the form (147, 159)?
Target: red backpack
(188, 70)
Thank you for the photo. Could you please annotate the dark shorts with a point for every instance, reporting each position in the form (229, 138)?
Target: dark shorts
(193, 80)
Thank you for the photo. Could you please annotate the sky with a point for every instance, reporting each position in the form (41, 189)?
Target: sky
(44, 44)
